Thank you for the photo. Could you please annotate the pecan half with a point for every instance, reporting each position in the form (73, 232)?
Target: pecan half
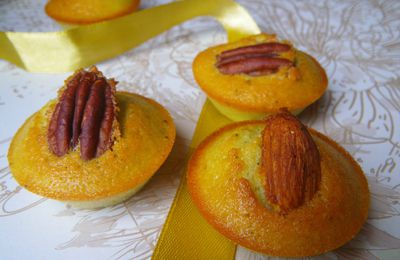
(60, 132)
(85, 114)
(290, 162)
(230, 59)
(81, 97)
(252, 65)
(91, 121)
(269, 47)
(106, 126)
(254, 60)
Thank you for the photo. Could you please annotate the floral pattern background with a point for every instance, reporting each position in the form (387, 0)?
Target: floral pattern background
(357, 42)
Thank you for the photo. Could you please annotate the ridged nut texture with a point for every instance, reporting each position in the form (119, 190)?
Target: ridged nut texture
(290, 162)
(85, 114)
(254, 60)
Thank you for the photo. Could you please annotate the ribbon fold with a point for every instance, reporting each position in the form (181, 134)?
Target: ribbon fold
(186, 235)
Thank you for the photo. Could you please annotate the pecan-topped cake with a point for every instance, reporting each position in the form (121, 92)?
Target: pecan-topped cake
(92, 146)
(276, 187)
(256, 76)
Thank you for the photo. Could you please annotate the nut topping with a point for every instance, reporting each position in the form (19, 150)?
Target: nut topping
(254, 60)
(253, 65)
(60, 131)
(230, 59)
(269, 47)
(85, 113)
(82, 95)
(290, 162)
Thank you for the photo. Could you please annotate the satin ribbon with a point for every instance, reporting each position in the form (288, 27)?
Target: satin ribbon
(86, 45)
(186, 235)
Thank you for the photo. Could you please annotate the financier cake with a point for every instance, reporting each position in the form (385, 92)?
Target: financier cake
(278, 188)
(257, 75)
(88, 11)
(92, 146)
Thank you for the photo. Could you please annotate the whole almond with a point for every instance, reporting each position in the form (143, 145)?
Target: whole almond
(290, 162)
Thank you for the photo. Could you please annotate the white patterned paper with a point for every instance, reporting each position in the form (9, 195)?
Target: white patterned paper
(357, 42)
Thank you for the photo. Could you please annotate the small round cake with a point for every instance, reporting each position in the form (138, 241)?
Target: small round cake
(257, 75)
(88, 11)
(277, 188)
(93, 154)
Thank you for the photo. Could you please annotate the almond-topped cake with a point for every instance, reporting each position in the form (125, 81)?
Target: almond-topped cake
(257, 75)
(279, 188)
(93, 146)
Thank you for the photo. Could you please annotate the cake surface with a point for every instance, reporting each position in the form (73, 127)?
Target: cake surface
(247, 96)
(88, 11)
(147, 137)
(223, 185)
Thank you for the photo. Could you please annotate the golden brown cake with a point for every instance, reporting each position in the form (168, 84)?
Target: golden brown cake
(93, 146)
(89, 11)
(257, 75)
(277, 188)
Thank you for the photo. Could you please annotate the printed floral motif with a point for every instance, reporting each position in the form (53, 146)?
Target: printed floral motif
(357, 42)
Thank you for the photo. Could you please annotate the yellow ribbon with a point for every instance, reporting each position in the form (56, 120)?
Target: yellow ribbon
(86, 45)
(186, 235)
